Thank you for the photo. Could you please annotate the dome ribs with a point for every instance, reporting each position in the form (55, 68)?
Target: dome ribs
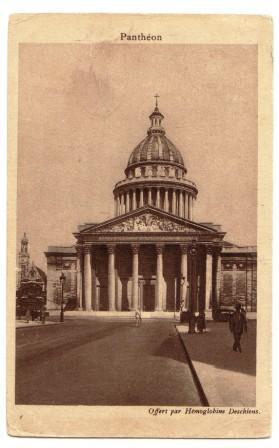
(155, 147)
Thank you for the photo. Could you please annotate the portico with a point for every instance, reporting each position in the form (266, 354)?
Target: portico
(148, 260)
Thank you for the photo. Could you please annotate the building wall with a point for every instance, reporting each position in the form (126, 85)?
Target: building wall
(56, 264)
(239, 281)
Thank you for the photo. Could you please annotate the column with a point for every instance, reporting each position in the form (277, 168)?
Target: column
(97, 295)
(218, 277)
(149, 197)
(118, 205)
(190, 205)
(134, 204)
(79, 277)
(118, 291)
(184, 299)
(208, 277)
(166, 201)
(159, 279)
(173, 202)
(158, 197)
(180, 211)
(186, 212)
(94, 280)
(122, 205)
(87, 278)
(115, 206)
(135, 278)
(193, 252)
(111, 277)
(127, 202)
(141, 198)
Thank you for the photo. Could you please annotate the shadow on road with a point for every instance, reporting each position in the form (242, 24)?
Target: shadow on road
(215, 348)
(90, 334)
(171, 348)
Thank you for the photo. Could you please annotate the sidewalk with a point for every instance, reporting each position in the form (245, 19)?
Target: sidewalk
(227, 378)
(118, 314)
(34, 323)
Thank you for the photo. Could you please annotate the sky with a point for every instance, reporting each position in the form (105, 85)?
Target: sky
(84, 107)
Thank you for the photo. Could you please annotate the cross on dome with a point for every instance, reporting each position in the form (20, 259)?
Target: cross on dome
(156, 99)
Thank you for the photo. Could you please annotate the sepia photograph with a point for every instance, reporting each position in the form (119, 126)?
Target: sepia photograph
(137, 226)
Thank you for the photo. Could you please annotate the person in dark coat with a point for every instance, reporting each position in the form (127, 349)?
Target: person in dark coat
(27, 315)
(238, 324)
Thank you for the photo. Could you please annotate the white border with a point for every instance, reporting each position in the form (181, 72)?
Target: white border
(7, 7)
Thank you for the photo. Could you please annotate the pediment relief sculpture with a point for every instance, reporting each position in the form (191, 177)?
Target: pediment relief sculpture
(146, 223)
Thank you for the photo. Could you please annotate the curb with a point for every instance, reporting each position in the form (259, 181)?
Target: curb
(38, 325)
(198, 384)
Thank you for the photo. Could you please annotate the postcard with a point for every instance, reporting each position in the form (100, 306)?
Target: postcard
(140, 220)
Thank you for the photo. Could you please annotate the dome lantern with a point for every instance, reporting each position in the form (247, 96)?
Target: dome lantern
(156, 119)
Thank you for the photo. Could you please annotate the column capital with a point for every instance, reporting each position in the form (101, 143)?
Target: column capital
(184, 248)
(87, 248)
(218, 248)
(217, 251)
(111, 248)
(209, 249)
(135, 248)
(159, 248)
(79, 249)
(193, 251)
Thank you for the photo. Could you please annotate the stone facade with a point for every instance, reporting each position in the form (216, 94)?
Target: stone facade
(233, 278)
(153, 255)
(239, 277)
(61, 259)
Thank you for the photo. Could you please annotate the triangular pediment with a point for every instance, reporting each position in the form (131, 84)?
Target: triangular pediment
(148, 219)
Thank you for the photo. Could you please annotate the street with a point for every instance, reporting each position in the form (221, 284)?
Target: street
(90, 361)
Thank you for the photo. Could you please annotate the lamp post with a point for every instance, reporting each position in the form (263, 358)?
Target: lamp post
(62, 279)
(182, 298)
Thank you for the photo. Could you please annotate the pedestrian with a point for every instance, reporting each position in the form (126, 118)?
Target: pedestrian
(201, 323)
(238, 324)
(43, 315)
(138, 318)
(181, 305)
(27, 315)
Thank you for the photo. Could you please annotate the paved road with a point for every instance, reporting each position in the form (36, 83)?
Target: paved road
(101, 362)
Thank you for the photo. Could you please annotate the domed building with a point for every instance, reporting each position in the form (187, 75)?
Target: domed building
(152, 255)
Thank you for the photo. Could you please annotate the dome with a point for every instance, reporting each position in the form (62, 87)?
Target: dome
(156, 176)
(156, 147)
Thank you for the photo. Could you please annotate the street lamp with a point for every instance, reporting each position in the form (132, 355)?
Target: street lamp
(62, 280)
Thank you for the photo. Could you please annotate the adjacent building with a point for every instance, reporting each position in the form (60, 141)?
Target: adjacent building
(31, 282)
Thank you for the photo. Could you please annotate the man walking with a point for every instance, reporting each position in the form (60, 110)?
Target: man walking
(138, 318)
(238, 323)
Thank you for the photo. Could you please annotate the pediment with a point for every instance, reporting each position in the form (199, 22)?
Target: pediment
(149, 220)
